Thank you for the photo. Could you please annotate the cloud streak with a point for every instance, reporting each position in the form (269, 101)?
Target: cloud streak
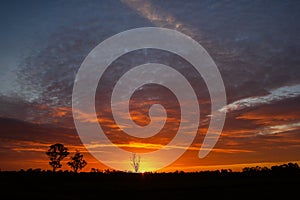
(275, 95)
(280, 128)
(153, 13)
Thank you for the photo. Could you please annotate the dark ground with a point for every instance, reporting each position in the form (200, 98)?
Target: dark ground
(175, 185)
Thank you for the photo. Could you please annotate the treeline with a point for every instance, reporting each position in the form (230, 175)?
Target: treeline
(288, 168)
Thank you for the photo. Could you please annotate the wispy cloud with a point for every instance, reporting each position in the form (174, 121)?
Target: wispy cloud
(34, 146)
(279, 128)
(160, 17)
(275, 95)
(157, 146)
(153, 13)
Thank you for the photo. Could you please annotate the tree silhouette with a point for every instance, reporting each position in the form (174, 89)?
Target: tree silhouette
(135, 162)
(77, 162)
(56, 153)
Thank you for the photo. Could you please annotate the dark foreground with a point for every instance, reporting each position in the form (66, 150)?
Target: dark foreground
(61, 185)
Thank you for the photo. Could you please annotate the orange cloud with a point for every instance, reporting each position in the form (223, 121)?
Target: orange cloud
(61, 111)
(269, 118)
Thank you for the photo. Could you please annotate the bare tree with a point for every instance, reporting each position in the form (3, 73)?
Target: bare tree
(77, 162)
(135, 162)
(56, 153)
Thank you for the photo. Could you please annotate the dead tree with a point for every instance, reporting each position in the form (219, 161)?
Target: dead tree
(135, 162)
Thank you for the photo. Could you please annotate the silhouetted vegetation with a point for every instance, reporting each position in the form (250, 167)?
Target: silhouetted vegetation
(251, 182)
(289, 168)
(77, 162)
(56, 153)
(277, 181)
(135, 162)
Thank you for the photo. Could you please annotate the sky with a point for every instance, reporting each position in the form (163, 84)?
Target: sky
(255, 44)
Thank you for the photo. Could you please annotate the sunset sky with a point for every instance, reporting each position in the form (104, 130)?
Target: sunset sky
(255, 44)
